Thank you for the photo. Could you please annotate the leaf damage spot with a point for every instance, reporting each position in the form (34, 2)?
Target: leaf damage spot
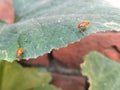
(112, 25)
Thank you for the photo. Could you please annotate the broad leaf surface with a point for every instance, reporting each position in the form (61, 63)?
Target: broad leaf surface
(15, 77)
(42, 25)
(103, 73)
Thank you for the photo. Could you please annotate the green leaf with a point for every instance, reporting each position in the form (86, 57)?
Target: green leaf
(47, 87)
(103, 73)
(42, 25)
(15, 77)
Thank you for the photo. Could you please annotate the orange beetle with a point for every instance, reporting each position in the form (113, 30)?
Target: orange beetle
(19, 52)
(82, 25)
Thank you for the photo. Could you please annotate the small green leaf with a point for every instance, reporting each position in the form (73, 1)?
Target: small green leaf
(103, 73)
(15, 77)
(47, 87)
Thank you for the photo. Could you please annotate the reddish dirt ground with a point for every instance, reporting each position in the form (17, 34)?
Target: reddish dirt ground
(69, 82)
(6, 11)
(106, 43)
